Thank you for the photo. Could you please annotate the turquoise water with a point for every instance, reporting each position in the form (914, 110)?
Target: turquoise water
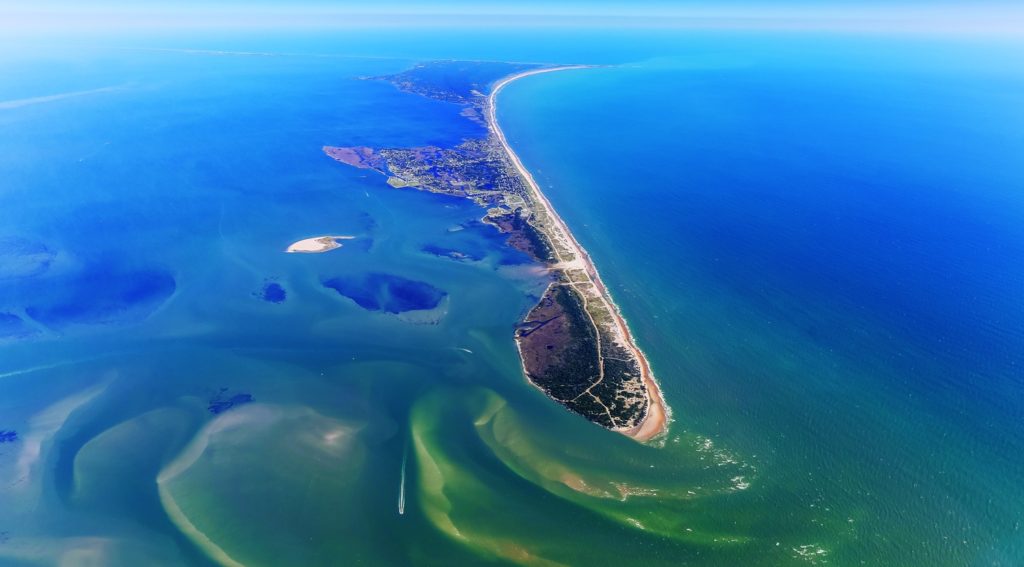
(825, 262)
(820, 253)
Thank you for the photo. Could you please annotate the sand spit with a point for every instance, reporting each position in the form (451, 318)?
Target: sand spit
(316, 245)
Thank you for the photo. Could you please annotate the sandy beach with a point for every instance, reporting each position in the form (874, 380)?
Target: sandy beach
(316, 244)
(655, 421)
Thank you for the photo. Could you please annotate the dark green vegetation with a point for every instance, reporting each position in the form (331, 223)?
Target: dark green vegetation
(459, 82)
(560, 353)
(523, 236)
(568, 343)
(562, 356)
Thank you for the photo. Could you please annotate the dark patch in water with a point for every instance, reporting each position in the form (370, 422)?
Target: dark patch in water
(8, 436)
(13, 327)
(514, 258)
(23, 258)
(385, 292)
(363, 244)
(507, 256)
(101, 296)
(273, 292)
(222, 402)
(369, 223)
(452, 253)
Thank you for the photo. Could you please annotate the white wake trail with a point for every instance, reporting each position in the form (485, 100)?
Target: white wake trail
(401, 485)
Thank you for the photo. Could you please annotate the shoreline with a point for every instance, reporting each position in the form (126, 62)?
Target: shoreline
(655, 420)
(316, 244)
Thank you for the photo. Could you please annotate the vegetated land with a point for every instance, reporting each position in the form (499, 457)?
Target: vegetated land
(574, 344)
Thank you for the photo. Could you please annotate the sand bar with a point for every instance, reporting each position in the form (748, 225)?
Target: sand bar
(316, 244)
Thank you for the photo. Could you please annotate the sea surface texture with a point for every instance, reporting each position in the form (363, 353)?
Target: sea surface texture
(818, 245)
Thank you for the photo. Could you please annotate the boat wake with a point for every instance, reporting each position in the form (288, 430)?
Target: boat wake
(401, 485)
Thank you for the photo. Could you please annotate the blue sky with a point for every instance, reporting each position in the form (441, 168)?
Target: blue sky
(992, 16)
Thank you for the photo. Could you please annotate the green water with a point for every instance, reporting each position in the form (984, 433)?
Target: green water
(820, 415)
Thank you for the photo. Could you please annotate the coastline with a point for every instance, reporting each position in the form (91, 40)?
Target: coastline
(316, 244)
(655, 420)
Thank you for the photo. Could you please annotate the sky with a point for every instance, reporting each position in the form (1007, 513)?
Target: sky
(945, 16)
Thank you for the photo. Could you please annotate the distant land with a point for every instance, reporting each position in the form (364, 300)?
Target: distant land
(574, 344)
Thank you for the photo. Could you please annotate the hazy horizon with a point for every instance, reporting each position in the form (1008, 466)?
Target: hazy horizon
(57, 16)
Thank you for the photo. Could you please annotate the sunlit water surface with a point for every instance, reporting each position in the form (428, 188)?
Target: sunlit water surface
(821, 253)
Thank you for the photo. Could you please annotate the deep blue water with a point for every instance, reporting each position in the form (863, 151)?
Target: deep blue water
(819, 243)
(273, 292)
(833, 251)
(387, 292)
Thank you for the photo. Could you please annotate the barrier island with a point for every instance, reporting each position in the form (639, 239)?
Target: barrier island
(574, 344)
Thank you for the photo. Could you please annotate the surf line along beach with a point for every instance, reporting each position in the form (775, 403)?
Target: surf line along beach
(574, 345)
(582, 275)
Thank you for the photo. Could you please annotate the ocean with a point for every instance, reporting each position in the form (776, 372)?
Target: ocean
(818, 242)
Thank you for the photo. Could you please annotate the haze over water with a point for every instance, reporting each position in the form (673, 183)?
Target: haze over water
(817, 242)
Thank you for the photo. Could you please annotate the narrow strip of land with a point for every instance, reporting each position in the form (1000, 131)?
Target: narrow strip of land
(574, 344)
(574, 261)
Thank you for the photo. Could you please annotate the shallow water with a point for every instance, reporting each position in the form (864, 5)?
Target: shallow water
(823, 270)
(823, 257)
